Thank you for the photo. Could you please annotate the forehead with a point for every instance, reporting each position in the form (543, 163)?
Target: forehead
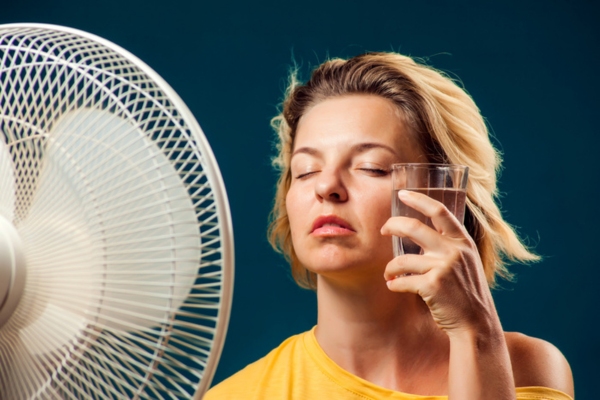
(348, 120)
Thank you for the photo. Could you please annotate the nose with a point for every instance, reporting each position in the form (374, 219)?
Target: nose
(330, 187)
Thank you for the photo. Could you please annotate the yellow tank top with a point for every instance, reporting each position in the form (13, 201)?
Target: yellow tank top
(300, 370)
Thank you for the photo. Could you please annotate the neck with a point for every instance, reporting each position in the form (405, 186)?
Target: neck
(387, 338)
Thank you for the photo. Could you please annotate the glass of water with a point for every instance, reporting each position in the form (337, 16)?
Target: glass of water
(445, 183)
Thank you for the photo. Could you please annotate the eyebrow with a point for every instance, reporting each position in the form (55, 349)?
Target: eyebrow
(357, 148)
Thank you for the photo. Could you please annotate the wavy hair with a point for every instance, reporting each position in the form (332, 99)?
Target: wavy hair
(448, 126)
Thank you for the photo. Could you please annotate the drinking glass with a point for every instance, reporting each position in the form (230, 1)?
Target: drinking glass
(446, 183)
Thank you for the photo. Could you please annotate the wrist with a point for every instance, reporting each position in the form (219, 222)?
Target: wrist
(483, 336)
(480, 364)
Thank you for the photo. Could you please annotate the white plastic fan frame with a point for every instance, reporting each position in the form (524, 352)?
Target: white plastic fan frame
(85, 314)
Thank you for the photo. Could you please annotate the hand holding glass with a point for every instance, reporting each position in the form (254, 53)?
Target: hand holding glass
(445, 183)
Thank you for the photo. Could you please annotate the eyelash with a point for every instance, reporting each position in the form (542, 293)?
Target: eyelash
(304, 175)
(375, 171)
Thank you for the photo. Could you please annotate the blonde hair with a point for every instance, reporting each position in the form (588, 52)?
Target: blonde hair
(448, 125)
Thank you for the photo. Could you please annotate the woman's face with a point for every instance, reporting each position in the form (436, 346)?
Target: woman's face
(340, 195)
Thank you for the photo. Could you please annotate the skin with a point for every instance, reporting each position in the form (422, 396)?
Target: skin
(435, 332)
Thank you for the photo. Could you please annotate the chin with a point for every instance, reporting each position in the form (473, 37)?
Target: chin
(344, 265)
(334, 258)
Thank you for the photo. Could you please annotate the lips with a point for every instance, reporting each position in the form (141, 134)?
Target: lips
(331, 225)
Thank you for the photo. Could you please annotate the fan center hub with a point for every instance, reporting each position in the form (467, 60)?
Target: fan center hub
(12, 269)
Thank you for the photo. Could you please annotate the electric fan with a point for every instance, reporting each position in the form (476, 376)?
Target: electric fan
(116, 247)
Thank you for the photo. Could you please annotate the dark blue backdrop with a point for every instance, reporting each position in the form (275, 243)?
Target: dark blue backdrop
(531, 66)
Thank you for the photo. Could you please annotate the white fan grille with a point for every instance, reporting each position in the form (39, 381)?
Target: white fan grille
(124, 220)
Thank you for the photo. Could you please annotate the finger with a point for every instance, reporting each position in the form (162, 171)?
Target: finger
(407, 265)
(442, 219)
(407, 284)
(415, 230)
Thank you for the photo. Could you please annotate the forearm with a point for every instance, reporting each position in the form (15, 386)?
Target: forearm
(480, 366)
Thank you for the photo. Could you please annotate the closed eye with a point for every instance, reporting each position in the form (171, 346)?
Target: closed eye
(376, 171)
(305, 175)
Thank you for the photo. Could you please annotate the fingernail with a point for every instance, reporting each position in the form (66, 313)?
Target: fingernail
(403, 193)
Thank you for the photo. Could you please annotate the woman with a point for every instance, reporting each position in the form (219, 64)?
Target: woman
(392, 327)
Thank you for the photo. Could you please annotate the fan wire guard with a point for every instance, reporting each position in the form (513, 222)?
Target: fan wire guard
(122, 212)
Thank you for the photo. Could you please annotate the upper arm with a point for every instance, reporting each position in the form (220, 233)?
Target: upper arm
(536, 362)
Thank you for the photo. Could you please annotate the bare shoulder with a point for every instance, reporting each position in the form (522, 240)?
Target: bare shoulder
(536, 362)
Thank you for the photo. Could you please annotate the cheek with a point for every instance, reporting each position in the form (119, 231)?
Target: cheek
(380, 212)
(377, 204)
(294, 210)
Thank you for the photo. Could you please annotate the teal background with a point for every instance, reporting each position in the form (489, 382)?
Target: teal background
(531, 66)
